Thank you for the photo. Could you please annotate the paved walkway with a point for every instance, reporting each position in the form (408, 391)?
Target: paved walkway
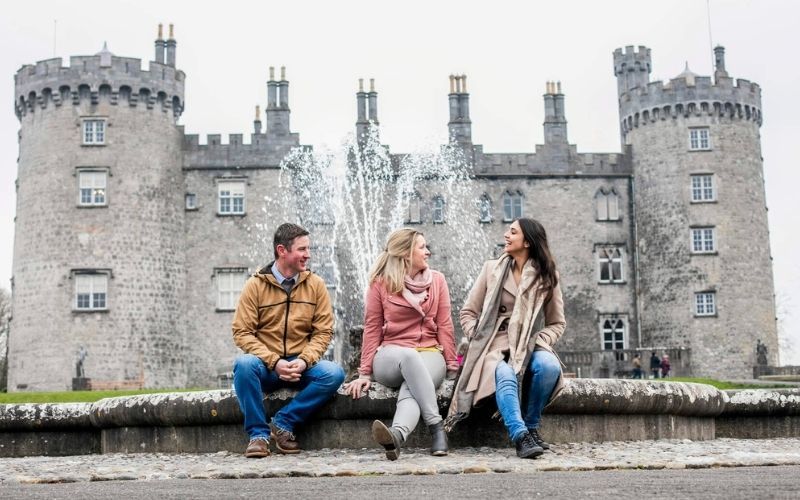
(368, 462)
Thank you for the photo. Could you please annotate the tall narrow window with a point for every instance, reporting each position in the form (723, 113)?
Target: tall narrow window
(414, 209)
(485, 208)
(607, 204)
(230, 282)
(705, 304)
(191, 201)
(91, 291)
(512, 205)
(699, 139)
(610, 260)
(231, 197)
(92, 188)
(94, 132)
(438, 210)
(703, 240)
(613, 332)
(703, 188)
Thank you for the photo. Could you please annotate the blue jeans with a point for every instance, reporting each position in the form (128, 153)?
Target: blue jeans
(541, 377)
(252, 379)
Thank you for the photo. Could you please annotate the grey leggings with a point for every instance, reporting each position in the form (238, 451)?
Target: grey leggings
(418, 374)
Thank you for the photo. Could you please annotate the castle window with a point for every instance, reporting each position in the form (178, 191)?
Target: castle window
(512, 205)
(703, 240)
(607, 203)
(92, 188)
(485, 208)
(699, 139)
(414, 215)
(610, 264)
(94, 132)
(91, 290)
(231, 197)
(612, 331)
(230, 281)
(703, 188)
(438, 210)
(191, 201)
(705, 304)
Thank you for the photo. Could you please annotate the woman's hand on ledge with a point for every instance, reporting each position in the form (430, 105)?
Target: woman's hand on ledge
(357, 388)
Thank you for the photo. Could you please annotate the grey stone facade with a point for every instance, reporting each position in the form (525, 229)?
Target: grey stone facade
(163, 245)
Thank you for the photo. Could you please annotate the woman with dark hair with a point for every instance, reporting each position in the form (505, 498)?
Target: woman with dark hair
(514, 315)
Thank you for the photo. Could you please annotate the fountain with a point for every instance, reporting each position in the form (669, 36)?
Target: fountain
(351, 197)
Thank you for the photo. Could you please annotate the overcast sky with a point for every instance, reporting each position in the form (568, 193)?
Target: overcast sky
(507, 49)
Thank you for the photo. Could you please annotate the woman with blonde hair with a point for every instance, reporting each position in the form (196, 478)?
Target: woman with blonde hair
(514, 316)
(408, 340)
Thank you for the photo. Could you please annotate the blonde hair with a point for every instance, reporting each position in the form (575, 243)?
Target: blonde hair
(395, 261)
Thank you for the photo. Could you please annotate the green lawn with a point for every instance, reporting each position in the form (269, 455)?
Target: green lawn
(77, 396)
(720, 384)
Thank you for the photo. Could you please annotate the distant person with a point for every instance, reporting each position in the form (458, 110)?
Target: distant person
(655, 365)
(408, 340)
(637, 366)
(665, 366)
(283, 323)
(514, 315)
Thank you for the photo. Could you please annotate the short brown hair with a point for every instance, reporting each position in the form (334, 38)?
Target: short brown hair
(285, 235)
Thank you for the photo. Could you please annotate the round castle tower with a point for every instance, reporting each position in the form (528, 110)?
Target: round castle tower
(705, 271)
(99, 266)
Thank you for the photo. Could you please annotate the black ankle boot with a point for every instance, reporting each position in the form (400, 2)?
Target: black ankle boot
(388, 437)
(527, 447)
(536, 437)
(438, 440)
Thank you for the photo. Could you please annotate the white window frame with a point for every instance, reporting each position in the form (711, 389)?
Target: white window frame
(93, 131)
(230, 282)
(699, 139)
(617, 327)
(190, 200)
(94, 184)
(91, 290)
(512, 206)
(437, 212)
(231, 199)
(484, 209)
(705, 303)
(703, 187)
(613, 258)
(703, 240)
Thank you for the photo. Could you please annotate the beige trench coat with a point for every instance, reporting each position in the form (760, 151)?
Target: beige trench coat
(481, 380)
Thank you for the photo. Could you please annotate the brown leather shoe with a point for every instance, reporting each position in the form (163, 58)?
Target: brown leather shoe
(258, 448)
(284, 440)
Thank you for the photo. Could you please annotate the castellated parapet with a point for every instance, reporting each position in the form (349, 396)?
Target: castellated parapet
(90, 78)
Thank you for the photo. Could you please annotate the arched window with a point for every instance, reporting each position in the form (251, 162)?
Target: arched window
(485, 208)
(607, 201)
(609, 261)
(512, 205)
(613, 332)
(414, 209)
(438, 210)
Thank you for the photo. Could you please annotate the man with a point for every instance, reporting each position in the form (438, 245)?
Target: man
(637, 366)
(655, 364)
(283, 323)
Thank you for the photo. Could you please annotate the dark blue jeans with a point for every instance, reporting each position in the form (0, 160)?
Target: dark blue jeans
(541, 377)
(252, 379)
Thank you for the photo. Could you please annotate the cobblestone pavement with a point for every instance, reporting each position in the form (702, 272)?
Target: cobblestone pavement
(675, 454)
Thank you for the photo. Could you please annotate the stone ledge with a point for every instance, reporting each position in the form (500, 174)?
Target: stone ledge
(767, 402)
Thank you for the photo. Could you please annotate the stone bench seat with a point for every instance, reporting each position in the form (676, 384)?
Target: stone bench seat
(207, 421)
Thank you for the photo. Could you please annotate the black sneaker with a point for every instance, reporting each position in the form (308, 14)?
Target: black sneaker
(536, 437)
(527, 447)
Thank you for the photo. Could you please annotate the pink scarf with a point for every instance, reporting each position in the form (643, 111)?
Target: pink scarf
(416, 289)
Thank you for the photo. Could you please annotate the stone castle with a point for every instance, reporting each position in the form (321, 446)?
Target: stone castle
(131, 235)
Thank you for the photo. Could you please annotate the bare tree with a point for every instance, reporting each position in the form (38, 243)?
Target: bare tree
(5, 316)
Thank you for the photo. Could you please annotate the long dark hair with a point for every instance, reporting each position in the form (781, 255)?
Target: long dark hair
(539, 251)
